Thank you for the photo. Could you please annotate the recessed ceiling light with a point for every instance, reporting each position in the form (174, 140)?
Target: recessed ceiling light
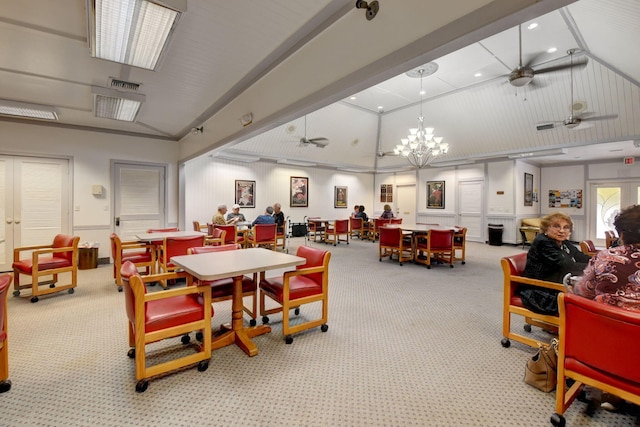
(422, 92)
(552, 49)
(477, 75)
(380, 107)
(532, 26)
(353, 98)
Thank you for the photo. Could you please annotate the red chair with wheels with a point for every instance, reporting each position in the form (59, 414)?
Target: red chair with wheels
(5, 384)
(222, 289)
(306, 284)
(47, 260)
(163, 230)
(436, 246)
(356, 227)
(174, 246)
(340, 227)
(393, 242)
(263, 235)
(159, 315)
(215, 236)
(143, 255)
(232, 237)
(599, 346)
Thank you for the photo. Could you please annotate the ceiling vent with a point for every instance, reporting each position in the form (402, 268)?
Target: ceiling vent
(545, 126)
(123, 85)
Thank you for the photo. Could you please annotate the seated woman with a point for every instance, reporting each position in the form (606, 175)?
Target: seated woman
(387, 212)
(550, 258)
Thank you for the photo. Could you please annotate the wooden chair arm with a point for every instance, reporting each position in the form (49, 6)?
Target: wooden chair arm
(540, 283)
(303, 271)
(28, 248)
(168, 293)
(39, 250)
(133, 244)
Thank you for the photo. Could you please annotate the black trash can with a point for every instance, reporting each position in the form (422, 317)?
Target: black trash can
(495, 234)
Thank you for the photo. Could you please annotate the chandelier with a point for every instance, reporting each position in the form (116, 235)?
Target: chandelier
(421, 146)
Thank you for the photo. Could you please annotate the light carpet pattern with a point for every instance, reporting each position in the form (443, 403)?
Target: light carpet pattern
(406, 346)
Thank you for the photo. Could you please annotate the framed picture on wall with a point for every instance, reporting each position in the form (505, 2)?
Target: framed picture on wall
(528, 189)
(435, 194)
(246, 193)
(299, 192)
(339, 197)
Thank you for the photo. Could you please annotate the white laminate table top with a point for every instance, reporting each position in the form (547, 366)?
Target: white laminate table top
(419, 227)
(219, 265)
(152, 237)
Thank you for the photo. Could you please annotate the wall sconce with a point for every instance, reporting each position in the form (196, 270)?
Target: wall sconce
(195, 131)
(372, 8)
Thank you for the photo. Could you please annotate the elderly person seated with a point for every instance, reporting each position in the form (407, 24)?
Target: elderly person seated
(550, 258)
(265, 218)
(387, 213)
(278, 215)
(218, 218)
(235, 216)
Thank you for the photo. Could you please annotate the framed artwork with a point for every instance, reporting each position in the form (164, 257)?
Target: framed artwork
(339, 197)
(299, 192)
(246, 193)
(386, 193)
(528, 189)
(435, 194)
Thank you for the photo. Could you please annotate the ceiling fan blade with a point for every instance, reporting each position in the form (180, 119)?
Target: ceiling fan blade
(533, 59)
(322, 138)
(589, 117)
(319, 142)
(580, 64)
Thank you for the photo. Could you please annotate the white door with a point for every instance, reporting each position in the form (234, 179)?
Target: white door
(470, 208)
(406, 203)
(34, 203)
(606, 200)
(140, 198)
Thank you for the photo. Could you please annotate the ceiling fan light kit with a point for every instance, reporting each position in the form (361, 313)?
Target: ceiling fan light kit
(372, 8)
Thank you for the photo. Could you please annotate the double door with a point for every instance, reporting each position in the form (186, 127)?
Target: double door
(34, 203)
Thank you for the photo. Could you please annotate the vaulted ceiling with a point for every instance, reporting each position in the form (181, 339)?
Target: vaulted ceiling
(280, 60)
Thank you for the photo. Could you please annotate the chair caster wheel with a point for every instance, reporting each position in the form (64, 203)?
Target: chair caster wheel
(185, 339)
(265, 320)
(288, 339)
(34, 299)
(131, 353)
(428, 267)
(203, 365)
(253, 322)
(199, 336)
(451, 266)
(527, 327)
(324, 328)
(71, 290)
(463, 262)
(141, 386)
(119, 288)
(5, 386)
(557, 420)
(505, 343)
(296, 311)
(53, 285)
(380, 259)
(16, 293)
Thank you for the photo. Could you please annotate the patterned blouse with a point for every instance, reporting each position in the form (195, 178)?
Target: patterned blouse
(610, 271)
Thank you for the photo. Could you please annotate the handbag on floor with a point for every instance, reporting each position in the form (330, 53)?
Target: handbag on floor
(541, 370)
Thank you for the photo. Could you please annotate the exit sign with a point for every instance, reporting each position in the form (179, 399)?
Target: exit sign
(628, 160)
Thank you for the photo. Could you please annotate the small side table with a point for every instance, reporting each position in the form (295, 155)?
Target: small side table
(87, 258)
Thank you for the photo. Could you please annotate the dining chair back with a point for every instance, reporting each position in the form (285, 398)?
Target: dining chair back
(222, 289)
(308, 283)
(374, 227)
(232, 237)
(610, 238)
(5, 383)
(163, 230)
(512, 269)
(339, 228)
(47, 260)
(460, 244)
(437, 246)
(263, 235)
(142, 255)
(174, 246)
(396, 221)
(587, 247)
(281, 237)
(155, 316)
(394, 242)
(215, 236)
(316, 229)
(356, 227)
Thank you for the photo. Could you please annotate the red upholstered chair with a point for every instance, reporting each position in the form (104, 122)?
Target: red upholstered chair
(47, 260)
(306, 284)
(599, 346)
(374, 227)
(159, 315)
(222, 289)
(215, 236)
(174, 246)
(281, 237)
(339, 228)
(163, 230)
(436, 246)
(5, 384)
(199, 227)
(460, 244)
(393, 241)
(232, 237)
(587, 247)
(610, 238)
(512, 269)
(396, 220)
(356, 227)
(316, 229)
(143, 255)
(262, 235)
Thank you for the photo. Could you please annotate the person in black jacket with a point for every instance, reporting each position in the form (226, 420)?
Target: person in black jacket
(550, 258)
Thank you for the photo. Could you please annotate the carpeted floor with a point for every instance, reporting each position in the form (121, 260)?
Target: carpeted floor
(406, 346)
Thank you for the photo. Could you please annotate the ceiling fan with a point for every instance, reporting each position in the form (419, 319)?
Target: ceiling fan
(574, 120)
(523, 75)
(318, 142)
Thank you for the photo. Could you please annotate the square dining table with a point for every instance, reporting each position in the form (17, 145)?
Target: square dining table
(220, 265)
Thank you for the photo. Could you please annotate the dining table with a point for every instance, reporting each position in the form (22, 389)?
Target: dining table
(156, 237)
(235, 264)
(321, 224)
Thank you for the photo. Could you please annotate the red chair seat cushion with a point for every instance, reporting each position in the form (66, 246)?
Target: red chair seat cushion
(607, 378)
(44, 263)
(299, 287)
(3, 336)
(224, 287)
(136, 257)
(174, 311)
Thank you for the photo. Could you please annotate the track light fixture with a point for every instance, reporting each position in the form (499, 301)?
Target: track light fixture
(195, 131)
(372, 8)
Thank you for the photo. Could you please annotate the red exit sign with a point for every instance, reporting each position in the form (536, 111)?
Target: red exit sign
(628, 160)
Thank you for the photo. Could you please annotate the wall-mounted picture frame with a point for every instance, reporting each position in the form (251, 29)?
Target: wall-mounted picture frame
(339, 197)
(299, 192)
(435, 194)
(528, 189)
(245, 193)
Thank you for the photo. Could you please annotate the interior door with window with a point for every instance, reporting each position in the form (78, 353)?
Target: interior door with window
(139, 193)
(610, 198)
